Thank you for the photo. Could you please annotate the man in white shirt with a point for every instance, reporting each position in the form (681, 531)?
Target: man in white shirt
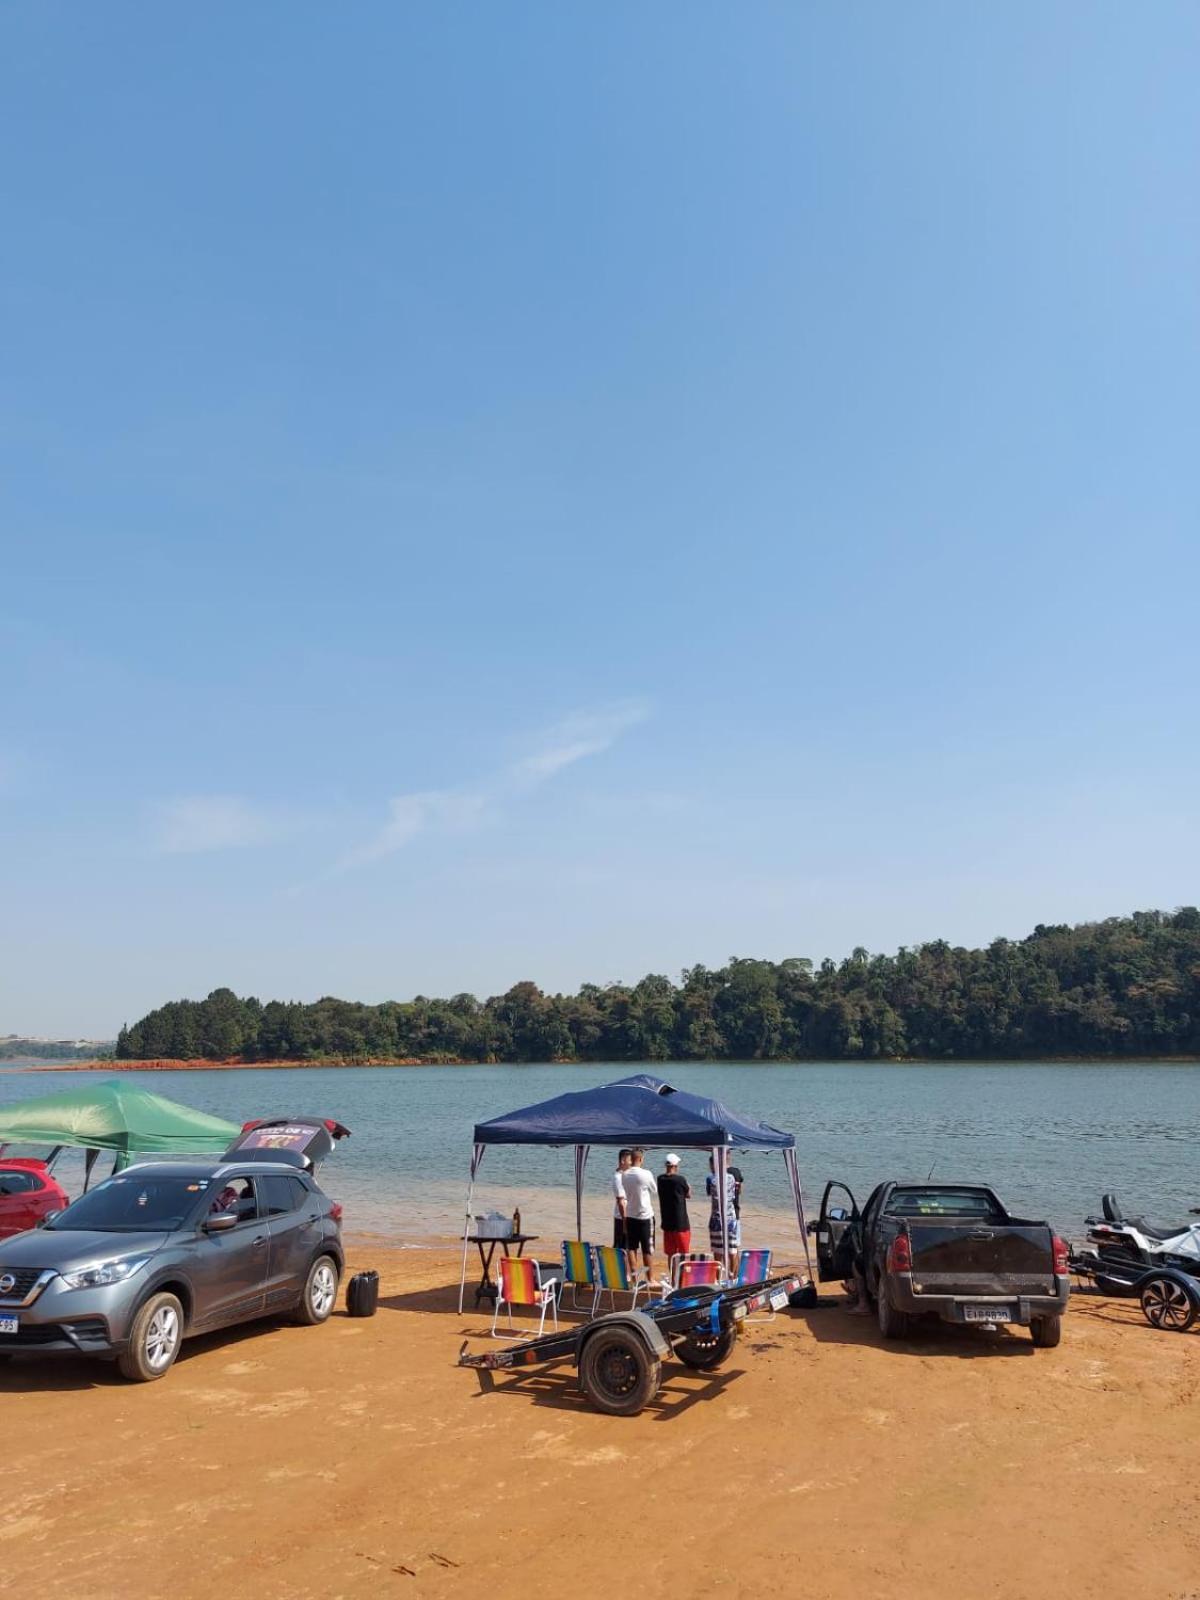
(640, 1188)
(623, 1159)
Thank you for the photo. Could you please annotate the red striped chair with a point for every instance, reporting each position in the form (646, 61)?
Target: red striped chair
(521, 1285)
(695, 1271)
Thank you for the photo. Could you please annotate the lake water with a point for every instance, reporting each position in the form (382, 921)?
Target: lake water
(1050, 1137)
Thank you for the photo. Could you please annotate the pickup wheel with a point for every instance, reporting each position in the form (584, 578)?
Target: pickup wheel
(1167, 1304)
(893, 1324)
(618, 1373)
(1045, 1332)
(705, 1351)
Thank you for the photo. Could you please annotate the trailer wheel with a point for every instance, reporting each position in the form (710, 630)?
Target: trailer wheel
(705, 1351)
(618, 1373)
(1166, 1304)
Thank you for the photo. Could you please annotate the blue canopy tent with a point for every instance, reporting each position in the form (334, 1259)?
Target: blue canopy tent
(641, 1110)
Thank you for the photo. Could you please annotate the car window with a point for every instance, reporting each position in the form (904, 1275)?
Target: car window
(236, 1195)
(301, 1193)
(128, 1203)
(19, 1183)
(278, 1198)
(944, 1203)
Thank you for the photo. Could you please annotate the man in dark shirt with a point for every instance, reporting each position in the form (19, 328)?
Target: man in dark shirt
(736, 1174)
(674, 1192)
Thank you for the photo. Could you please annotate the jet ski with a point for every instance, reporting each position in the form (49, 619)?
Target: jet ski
(1155, 1261)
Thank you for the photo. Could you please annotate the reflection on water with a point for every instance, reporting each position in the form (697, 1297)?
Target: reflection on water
(1050, 1137)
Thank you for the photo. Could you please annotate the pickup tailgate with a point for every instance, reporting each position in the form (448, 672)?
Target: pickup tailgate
(973, 1258)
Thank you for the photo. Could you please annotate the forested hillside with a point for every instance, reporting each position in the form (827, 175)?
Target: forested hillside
(1128, 986)
(15, 1047)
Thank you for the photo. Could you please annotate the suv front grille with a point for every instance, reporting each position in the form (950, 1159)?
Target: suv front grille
(18, 1283)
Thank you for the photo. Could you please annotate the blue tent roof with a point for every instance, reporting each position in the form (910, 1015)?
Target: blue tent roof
(638, 1110)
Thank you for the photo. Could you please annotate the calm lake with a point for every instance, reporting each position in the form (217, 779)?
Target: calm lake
(1051, 1138)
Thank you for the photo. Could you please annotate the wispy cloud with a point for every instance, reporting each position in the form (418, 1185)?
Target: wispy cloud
(194, 823)
(582, 734)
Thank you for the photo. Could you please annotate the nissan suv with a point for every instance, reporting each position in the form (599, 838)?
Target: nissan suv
(167, 1249)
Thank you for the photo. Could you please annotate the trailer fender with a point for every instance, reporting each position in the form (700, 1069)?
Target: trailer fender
(637, 1320)
(1185, 1280)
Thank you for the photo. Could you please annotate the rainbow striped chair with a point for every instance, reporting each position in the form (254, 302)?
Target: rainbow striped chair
(753, 1267)
(579, 1267)
(612, 1269)
(521, 1285)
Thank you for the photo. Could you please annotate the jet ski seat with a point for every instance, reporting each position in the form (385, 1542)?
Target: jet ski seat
(1156, 1230)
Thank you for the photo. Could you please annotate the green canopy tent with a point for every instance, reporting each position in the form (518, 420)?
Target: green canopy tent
(118, 1116)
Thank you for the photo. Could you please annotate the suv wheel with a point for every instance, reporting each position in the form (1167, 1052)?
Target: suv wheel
(320, 1292)
(154, 1340)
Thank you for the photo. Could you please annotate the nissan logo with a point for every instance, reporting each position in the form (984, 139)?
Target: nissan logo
(7, 1283)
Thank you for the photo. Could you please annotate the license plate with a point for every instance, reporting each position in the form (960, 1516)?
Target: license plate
(778, 1299)
(8, 1324)
(987, 1314)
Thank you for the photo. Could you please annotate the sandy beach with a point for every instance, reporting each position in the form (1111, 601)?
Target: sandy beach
(358, 1460)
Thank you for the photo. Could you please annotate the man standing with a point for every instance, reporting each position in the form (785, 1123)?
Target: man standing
(640, 1189)
(723, 1222)
(619, 1199)
(674, 1192)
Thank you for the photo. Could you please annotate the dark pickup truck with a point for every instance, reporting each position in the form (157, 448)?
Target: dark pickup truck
(947, 1250)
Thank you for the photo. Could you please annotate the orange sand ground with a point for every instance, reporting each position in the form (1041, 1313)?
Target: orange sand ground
(357, 1460)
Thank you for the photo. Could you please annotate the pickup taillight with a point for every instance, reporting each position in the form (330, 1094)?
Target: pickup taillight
(899, 1256)
(1062, 1258)
(335, 1211)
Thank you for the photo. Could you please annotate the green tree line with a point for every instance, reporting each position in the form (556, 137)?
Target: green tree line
(1127, 986)
(15, 1048)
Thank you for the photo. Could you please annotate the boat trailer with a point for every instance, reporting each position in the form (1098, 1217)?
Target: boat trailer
(620, 1356)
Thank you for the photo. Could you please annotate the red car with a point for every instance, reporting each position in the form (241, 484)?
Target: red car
(27, 1192)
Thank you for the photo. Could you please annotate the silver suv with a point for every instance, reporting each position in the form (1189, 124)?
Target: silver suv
(168, 1249)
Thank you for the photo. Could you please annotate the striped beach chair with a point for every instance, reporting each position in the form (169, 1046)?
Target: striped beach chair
(521, 1285)
(753, 1267)
(700, 1272)
(579, 1268)
(612, 1269)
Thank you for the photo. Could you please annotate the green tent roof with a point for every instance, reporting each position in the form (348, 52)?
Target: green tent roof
(115, 1115)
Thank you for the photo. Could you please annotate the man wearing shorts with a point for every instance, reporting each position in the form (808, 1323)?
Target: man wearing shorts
(674, 1192)
(724, 1224)
(640, 1189)
(619, 1200)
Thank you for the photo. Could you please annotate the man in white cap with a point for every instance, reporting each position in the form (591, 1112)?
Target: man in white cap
(674, 1192)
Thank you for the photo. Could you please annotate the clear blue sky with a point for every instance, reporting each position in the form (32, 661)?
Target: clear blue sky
(535, 490)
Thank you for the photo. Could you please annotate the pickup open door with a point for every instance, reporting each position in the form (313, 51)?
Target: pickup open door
(839, 1234)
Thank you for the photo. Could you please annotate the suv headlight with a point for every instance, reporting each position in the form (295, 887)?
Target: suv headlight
(102, 1272)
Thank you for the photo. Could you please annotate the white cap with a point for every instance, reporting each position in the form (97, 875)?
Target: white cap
(672, 1159)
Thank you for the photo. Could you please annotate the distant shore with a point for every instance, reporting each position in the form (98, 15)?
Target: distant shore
(234, 1064)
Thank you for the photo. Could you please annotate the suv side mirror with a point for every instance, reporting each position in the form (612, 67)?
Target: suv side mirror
(220, 1222)
(838, 1214)
(49, 1217)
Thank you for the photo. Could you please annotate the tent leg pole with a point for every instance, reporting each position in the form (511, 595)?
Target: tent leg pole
(462, 1281)
(581, 1155)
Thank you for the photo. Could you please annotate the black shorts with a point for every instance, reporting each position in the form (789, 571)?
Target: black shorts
(639, 1234)
(618, 1233)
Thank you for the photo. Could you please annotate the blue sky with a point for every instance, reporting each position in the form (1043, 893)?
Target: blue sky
(564, 492)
